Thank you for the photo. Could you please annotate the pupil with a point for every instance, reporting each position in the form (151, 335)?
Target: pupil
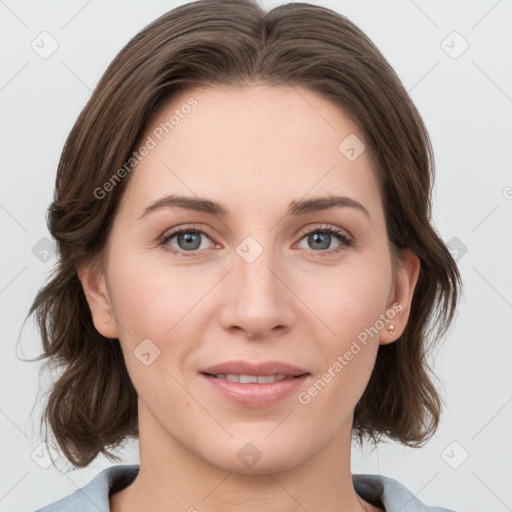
(189, 239)
(315, 237)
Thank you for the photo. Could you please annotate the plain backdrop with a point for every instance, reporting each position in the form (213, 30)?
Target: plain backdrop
(454, 58)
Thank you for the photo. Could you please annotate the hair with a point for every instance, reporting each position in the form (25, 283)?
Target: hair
(92, 406)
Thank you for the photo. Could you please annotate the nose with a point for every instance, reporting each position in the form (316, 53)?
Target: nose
(256, 299)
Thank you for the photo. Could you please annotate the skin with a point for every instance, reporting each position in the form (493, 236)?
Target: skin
(254, 150)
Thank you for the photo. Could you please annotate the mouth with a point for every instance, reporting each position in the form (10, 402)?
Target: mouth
(254, 385)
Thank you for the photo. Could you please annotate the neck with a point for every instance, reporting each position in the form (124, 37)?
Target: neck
(172, 477)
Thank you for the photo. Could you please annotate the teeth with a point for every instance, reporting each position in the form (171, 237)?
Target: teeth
(251, 379)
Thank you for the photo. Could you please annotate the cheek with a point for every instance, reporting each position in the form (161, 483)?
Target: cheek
(351, 306)
(149, 295)
(350, 298)
(153, 301)
(349, 350)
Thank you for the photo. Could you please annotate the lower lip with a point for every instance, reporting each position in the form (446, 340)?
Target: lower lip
(256, 395)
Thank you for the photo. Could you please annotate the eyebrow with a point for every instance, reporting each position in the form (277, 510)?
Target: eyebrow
(300, 207)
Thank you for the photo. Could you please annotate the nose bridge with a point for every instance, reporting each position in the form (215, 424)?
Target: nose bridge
(257, 283)
(256, 300)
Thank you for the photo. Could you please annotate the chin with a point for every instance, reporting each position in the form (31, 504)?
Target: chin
(257, 457)
(262, 467)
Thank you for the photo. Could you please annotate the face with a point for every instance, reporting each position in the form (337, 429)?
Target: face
(270, 279)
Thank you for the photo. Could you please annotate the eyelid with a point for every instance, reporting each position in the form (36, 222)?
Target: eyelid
(302, 232)
(316, 227)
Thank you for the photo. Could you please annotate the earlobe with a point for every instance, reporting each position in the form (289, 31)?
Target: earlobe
(399, 305)
(96, 292)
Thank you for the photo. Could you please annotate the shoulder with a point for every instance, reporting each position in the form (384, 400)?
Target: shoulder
(94, 497)
(391, 494)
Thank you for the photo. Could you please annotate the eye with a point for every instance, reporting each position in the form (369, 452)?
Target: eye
(321, 238)
(188, 241)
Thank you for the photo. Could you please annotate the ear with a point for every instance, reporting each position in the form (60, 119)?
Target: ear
(94, 283)
(399, 304)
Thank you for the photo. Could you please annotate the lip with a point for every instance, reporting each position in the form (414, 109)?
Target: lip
(247, 368)
(253, 394)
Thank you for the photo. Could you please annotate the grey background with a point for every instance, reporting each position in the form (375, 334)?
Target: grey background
(466, 103)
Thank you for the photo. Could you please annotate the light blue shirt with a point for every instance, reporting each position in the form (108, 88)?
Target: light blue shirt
(93, 497)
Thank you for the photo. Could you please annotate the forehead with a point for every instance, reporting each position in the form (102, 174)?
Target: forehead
(254, 146)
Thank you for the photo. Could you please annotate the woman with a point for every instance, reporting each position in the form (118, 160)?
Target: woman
(248, 274)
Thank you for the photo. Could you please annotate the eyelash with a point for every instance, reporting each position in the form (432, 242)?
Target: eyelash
(345, 240)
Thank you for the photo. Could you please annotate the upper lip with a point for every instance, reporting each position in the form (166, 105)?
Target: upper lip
(246, 368)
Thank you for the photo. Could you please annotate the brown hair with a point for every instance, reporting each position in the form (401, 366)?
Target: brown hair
(93, 405)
